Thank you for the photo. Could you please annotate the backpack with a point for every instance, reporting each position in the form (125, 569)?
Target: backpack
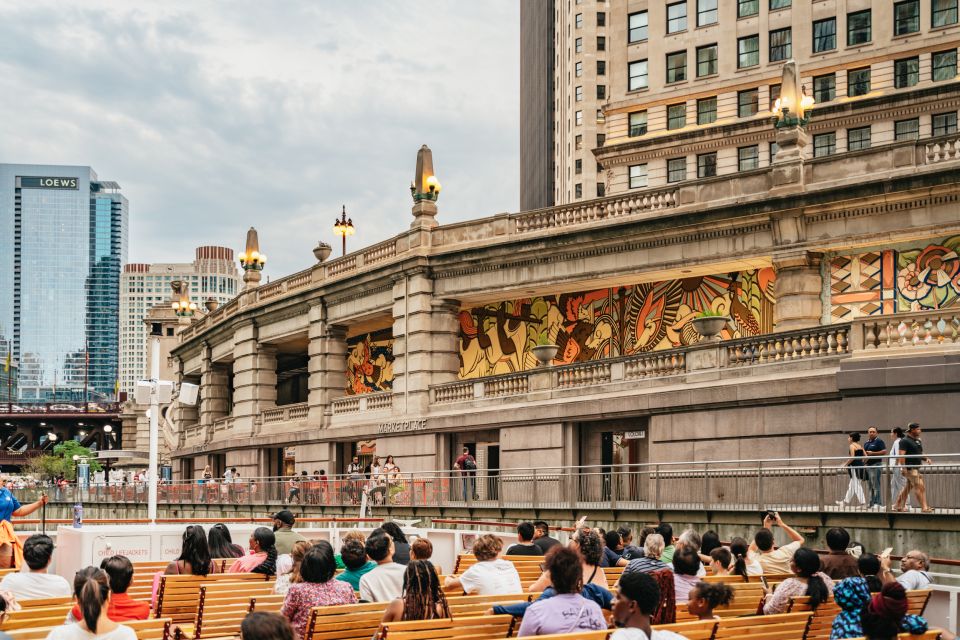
(470, 464)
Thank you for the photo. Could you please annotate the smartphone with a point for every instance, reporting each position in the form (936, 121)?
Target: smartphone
(580, 523)
(764, 582)
(886, 552)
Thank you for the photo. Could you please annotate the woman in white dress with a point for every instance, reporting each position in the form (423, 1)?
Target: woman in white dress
(897, 480)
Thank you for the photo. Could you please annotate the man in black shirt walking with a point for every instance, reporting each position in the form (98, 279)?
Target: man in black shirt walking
(911, 450)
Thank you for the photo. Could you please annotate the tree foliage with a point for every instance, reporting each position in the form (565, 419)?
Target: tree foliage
(50, 466)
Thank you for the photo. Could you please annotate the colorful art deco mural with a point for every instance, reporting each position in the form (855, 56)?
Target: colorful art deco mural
(590, 325)
(895, 280)
(370, 362)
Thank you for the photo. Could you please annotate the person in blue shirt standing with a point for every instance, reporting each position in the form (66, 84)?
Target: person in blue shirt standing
(875, 449)
(9, 507)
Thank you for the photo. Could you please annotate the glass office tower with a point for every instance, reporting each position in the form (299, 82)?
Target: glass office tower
(63, 242)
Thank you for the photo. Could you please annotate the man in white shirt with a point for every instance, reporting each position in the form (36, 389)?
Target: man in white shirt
(914, 566)
(35, 582)
(490, 575)
(636, 601)
(384, 582)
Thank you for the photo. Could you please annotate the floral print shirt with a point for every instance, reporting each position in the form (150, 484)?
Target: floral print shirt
(302, 596)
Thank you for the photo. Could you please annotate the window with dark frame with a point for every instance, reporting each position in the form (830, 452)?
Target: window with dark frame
(748, 51)
(638, 75)
(779, 4)
(676, 66)
(578, 190)
(747, 8)
(748, 103)
(601, 92)
(707, 110)
(906, 17)
(638, 176)
(601, 43)
(677, 17)
(824, 144)
(676, 169)
(601, 138)
(906, 129)
(638, 124)
(578, 21)
(858, 138)
(824, 35)
(944, 65)
(601, 189)
(943, 13)
(601, 18)
(858, 82)
(601, 67)
(578, 69)
(706, 12)
(578, 142)
(773, 151)
(859, 27)
(748, 158)
(824, 88)
(707, 165)
(781, 44)
(774, 95)
(637, 27)
(676, 116)
(578, 45)
(578, 118)
(944, 123)
(906, 72)
(578, 94)
(707, 60)
(578, 166)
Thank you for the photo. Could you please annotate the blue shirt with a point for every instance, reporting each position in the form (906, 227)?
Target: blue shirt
(874, 445)
(8, 504)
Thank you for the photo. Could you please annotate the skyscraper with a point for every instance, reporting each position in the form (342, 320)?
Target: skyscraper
(63, 240)
(536, 104)
(212, 275)
(648, 95)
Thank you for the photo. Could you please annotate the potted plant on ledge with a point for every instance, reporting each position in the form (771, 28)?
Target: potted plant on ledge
(709, 324)
(545, 351)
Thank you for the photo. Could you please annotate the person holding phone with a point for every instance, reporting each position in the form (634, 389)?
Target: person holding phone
(775, 560)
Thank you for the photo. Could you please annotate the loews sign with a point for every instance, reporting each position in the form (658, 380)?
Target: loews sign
(45, 182)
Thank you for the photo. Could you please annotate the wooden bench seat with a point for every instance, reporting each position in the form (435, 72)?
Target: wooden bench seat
(822, 621)
(472, 627)
(179, 596)
(153, 629)
(35, 617)
(782, 626)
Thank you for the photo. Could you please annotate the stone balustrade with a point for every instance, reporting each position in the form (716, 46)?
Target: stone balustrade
(942, 150)
(381, 401)
(594, 211)
(925, 329)
(223, 424)
(778, 347)
(282, 414)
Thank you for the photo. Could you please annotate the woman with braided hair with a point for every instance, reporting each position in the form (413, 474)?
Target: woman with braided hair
(262, 557)
(422, 598)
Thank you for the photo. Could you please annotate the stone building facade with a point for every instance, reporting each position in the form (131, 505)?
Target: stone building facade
(648, 94)
(839, 275)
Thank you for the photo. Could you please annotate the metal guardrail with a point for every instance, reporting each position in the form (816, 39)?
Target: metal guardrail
(793, 484)
(63, 407)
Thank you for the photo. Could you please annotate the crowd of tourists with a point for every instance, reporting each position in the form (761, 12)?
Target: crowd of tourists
(660, 572)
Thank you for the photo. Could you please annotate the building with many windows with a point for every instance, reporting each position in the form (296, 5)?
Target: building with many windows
(649, 94)
(211, 276)
(63, 240)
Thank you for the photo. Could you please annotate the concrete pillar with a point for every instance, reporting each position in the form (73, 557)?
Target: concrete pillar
(797, 290)
(327, 363)
(254, 378)
(425, 334)
(214, 390)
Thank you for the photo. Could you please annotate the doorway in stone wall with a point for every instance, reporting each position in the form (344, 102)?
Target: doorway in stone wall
(611, 453)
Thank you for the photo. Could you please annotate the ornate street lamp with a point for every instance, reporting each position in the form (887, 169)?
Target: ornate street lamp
(793, 106)
(251, 259)
(181, 304)
(343, 227)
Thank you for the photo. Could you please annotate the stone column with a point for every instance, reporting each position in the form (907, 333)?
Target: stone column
(425, 334)
(214, 392)
(254, 378)
(797, 290)
(327, 365)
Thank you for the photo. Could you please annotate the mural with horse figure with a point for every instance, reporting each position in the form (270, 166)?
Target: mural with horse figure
(605, 323)
(370, 362)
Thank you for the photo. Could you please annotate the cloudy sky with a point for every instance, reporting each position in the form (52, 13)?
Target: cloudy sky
(215, 116)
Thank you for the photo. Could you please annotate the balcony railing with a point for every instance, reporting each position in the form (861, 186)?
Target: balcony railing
(818, 342)
(381, 401)
(787, 485)
(925, 329)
